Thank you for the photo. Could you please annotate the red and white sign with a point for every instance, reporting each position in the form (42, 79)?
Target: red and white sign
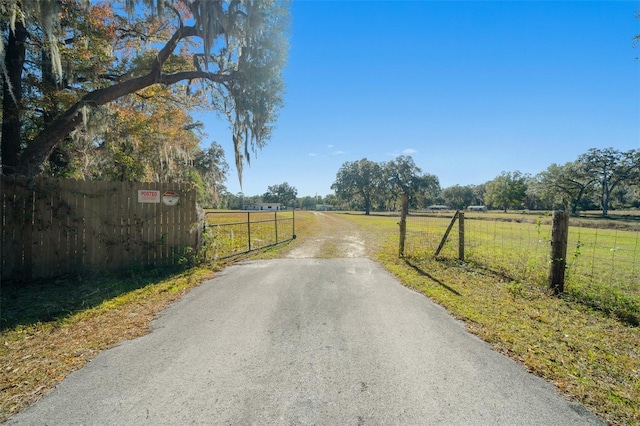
(170, 198)
(148, 196)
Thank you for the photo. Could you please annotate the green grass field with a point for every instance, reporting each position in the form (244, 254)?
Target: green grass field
(602, 263)
(232, 232)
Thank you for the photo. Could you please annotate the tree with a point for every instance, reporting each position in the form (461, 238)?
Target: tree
(331, 200)
(283, 193)
(403, 177)
(609, 168)
(358, 181)
(308, 202)
(458, 196)
(478, 194)
(506, 190)
(229, 53)
(566, 184)
(211, 168)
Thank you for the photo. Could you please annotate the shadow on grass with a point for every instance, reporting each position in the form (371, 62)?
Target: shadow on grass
(606, 300)
(431, 277)
(27, 303)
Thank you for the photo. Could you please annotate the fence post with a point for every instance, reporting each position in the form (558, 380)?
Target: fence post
(403, 225)
(275, 223)
(559, 236)
(461, 236)
(249, 230)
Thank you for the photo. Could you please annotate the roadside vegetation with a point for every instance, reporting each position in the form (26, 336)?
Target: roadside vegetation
(603, 257)
(589, 355)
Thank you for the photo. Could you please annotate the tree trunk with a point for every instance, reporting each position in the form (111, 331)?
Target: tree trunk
(12, 98)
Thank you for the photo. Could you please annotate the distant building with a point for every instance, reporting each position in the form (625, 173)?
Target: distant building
(477, 208)
(264, 206)
(324, 207)
(438, 207)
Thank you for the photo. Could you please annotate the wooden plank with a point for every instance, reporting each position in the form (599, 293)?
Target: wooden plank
(145, 237)
(6, 242)
(103, 211)
(446, 233)
(162, 243)
(124, 210)
(24, 203)
(51, 233)
(92, 208)
(110, 224)
(63, 215)
(136, 225)
(13, 216)
(120, 232)
(74, 228)
(173, 229)
(153, 229)
(81, 223)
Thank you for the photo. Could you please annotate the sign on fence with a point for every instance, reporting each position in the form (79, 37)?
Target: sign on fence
(170, 198)
(148, 196)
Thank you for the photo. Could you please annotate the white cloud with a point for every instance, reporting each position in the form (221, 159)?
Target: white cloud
(329, 146)
(313, 154)
(408, 151)
(338, 152)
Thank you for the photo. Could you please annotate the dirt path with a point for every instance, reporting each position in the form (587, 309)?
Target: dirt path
(337, 238)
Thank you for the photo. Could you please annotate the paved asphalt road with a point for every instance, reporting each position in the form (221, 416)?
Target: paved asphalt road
(302, 342)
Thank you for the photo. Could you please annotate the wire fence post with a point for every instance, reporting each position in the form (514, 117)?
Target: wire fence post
(403, 225)
(249, 230)
(559, 237)
(275, 223)
(461, 236)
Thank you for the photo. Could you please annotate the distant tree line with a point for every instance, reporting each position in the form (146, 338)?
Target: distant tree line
(598, 179)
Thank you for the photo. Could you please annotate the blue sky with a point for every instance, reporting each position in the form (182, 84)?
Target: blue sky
(468, 89)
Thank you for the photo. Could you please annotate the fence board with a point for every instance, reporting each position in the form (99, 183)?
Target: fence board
(137, 227)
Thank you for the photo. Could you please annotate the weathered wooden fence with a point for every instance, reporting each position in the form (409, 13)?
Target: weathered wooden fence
(52, 227)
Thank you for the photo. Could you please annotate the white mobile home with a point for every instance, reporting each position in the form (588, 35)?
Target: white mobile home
(264, 206)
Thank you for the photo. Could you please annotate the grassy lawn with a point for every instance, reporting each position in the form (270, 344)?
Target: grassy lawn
(591, 356)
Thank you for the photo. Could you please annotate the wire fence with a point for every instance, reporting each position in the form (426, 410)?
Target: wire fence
(602, 269)
(236, 232)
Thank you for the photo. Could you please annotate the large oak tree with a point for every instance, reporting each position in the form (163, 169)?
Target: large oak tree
(609, 169)
(229, 53)
(358, 181)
